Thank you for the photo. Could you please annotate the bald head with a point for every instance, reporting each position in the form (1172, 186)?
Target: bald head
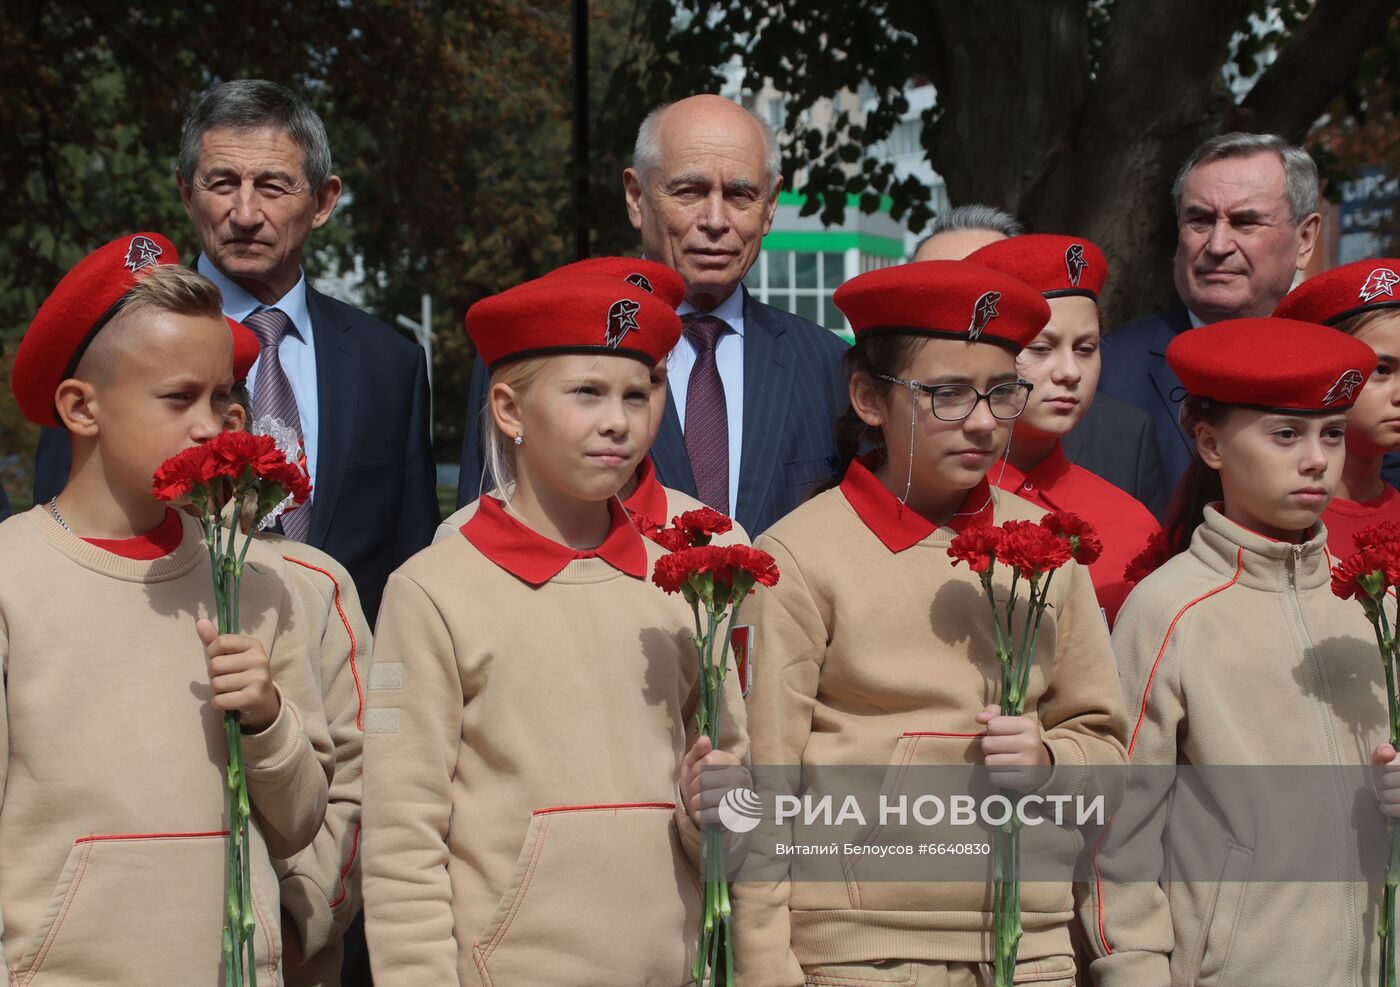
(702, 191)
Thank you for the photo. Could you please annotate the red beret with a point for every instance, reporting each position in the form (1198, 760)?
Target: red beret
(1274, 364)
(949, 299)
(246, 349)
(83, 302)
(1344, 291)
(1053, 265)
(573, 313)
(658, 279)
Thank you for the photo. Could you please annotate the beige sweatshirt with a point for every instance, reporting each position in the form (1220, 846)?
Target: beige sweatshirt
(868, 656)
(112, 761)
(321, 885)
(1236, 652)
(523, 744)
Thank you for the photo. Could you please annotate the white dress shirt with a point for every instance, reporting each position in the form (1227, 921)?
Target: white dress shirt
(729, 361)
(297, 351)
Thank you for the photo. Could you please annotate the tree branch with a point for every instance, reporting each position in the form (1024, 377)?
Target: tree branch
(1318, 61)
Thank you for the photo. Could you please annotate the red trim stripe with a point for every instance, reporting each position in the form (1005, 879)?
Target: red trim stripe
(1142, 714)
(613, 805)
(934, 733)
(350, 862)
(354, 668)
(148, 836)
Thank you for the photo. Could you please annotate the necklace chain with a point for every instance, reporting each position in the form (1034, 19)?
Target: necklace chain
(53, 509)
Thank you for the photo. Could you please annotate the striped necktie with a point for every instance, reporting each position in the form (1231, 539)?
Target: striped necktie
(273, 397)
(706, 415)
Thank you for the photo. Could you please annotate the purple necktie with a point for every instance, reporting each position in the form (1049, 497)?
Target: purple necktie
(706, 417)
(273, 397)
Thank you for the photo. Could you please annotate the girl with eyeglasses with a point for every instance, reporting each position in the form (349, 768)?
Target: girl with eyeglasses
(873, 649)
(1062, 362)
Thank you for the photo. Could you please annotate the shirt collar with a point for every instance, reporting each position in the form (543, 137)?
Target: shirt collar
(239, 302)
(1195, 320)
(1045, 477)
(649, 499)
(899, 527)
(535, 559)
(731, 310)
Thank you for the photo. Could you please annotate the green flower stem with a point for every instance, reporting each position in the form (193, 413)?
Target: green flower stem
(1385, 925)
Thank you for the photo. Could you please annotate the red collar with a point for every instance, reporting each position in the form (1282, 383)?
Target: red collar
(533, 558)
(649, 499)
(157, 543)
(897, 526)
(1044, 478)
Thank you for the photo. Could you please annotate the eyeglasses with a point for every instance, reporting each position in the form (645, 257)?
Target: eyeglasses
(954, 402)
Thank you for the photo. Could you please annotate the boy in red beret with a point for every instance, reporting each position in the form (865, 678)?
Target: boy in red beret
(1362, 299)
(533, 777)
(1236, 652)
(113, 820)
(1063, 363)
(878, 650)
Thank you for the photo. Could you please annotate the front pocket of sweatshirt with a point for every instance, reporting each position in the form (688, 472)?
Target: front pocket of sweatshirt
(600, 894)
(1221, 920)
(873, 882)
(140, 908)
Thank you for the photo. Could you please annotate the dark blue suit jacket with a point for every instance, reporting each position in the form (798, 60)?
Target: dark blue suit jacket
(794, 390)
(1135, 370)
(375, 499)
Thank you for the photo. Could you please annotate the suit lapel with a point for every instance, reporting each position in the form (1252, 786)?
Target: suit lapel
(1164, 380)
(338, 390)
(668, 452)
(766, 401)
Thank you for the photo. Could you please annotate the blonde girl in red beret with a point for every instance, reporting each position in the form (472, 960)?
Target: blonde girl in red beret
(532, 773)
(874, 650)
(1236, 653)
(651, 505)
(1362, 299)
(1063, 363)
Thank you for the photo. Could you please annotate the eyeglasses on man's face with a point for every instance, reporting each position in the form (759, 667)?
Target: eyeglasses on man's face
(954, 402)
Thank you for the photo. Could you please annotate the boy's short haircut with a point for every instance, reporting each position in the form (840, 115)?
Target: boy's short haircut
(163, 288)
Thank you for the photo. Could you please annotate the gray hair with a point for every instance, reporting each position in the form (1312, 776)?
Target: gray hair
(1300, 179)
(646, 153)
(251, 104)
(973, 216)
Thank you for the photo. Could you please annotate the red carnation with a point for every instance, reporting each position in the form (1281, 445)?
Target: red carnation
(1084, 544)
(671, 539)
(1031, 549)
(702, 524)
(645, 525)
(177, 477)
(293, 479)
(977, 547)
(1146, 562)
(1365, 575)
(674, 570)
(1386, 535)
(757, 563)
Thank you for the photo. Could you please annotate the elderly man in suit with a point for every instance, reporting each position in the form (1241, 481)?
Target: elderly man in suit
(255, 175)
(1114, 440)
(1247, 223)
(754, 395)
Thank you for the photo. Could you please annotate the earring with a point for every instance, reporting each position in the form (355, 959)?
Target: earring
(519, 439)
